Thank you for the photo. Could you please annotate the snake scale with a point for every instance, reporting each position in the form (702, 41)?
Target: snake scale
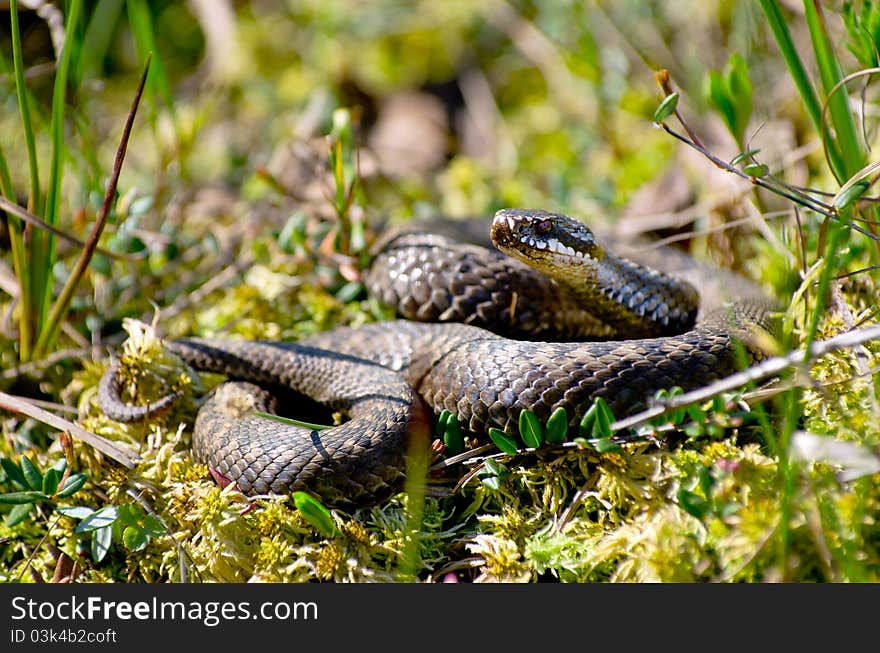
(654, 330)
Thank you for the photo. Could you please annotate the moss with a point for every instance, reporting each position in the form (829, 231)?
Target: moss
(566, 554)
(500, 560)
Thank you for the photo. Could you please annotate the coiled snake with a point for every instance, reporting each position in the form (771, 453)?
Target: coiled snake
(388, 377)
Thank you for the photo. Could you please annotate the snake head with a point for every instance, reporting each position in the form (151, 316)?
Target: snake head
(545, 239)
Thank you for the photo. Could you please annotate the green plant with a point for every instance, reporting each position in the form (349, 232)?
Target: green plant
(314, 512)
(846, 154)
(344, 167)
(40, 312)
(730, 94)
(33, 487)
(126, 523)
(33, 251)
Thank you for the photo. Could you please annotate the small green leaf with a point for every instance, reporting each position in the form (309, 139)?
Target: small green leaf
(152, 526)
(293, 233)
(503, 441)
(100, 264)
(72, 485)
(349, 292)
(452, 436)
(667, 106)
(705, 480)
(662, 397)
(493, 467)
(731, 95)
(694, 429)
(863, 27)
(98, 520)
(530, 429)
(18, 514)
(442, 420)
(756, 170)
(23, 497)
(291, 421)
(717, 94)
(742, 156)
(139, 206)
(850, 195)
(315, 513)
(101, 540)
(696, 412)
(134, 538)
(606, 445)
(676, 416)
(739, 87)
(13, 472)
(31, 474)
(557, 426)
(129, 514)
(693, 503)
(50, 481)
(491, 482)
(76, 512)
(60, 465)
(597, 421)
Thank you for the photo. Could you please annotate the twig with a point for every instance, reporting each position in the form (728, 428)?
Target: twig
(789, 192)
(114, 450)
(59, 307)
(34, 72)
(467, 455)
(693, 233)
(855, 272)
(576, 501)
(26, 216)
(51, 405)
(762, 370)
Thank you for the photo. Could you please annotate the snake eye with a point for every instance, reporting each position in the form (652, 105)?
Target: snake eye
(543, 227)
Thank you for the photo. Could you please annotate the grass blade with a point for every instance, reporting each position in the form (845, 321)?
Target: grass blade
(831, 74)
(98, 36)
(56, 165)
(17, 247)
(43, 242)
(114, 450)
(53, 324)
(142, 29)
(799, 76)
(28, 313)
(34, 201)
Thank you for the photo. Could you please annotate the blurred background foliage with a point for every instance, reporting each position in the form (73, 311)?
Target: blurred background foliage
(551, 92)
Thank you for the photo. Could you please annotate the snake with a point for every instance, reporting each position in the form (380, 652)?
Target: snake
(551, 317)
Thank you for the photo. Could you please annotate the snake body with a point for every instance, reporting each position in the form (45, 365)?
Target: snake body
(684, 324)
